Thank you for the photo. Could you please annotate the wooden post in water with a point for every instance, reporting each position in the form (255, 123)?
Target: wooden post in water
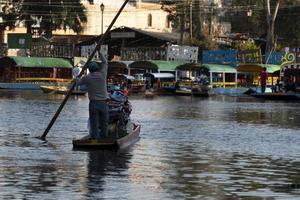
(99, 43)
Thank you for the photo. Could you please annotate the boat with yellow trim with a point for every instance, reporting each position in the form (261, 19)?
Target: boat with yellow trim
(61, 90)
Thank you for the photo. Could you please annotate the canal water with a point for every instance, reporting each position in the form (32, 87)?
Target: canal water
(190, 148)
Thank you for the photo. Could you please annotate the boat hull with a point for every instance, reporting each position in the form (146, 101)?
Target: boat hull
(277, 96)
(108, 143)
(20, 86)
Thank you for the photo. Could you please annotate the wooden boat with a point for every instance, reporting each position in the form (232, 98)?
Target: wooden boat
(60, 90)
(149, 93)
(29, 73)
(183, 92)
(277, 96)
(119, 142)
(201, 91)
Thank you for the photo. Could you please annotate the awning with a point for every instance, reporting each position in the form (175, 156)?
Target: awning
(143, 65)
(217, 68)
(257, 68)
(190, 67)
(42, 62)
(163, 75)
(160, 65)
(116, 64)
(166, 65)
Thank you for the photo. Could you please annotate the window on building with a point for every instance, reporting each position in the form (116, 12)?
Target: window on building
(149, 20)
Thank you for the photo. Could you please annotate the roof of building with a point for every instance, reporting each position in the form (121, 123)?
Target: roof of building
(257, 67)
(217, 68)
(138, 38)
(44, 62)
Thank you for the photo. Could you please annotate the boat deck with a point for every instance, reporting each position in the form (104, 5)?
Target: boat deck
(108, 143)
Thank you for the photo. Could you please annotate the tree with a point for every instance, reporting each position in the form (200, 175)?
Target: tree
(8, 15)
(247, 17)
(47, 15)
(187, 16)
(289, 18)
(270, 43)
(177, 14)
(257, 25)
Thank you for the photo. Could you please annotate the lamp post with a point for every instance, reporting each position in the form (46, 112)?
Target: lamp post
(249, 14)
(102, 10)
(191, 21)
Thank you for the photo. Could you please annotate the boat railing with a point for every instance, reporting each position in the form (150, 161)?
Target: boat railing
(223, 84)
(45, 81)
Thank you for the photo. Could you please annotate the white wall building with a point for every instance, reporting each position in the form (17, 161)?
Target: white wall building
(145, 16)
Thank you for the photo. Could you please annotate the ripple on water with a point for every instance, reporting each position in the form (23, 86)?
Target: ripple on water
(190, 148)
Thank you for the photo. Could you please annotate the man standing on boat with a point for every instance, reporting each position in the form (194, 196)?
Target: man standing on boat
(96, 85)
(263, 79)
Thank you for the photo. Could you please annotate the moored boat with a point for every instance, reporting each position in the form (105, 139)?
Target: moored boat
(183, 91)
(277, 96)
(60, 90)
(31, 72)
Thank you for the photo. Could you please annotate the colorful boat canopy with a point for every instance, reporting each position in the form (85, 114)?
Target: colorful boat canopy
(160, 65)
(128, 77)
(257, 68)
(163, 75)
(190, 67)
(167, 65)
(41, 62)
(217, 68)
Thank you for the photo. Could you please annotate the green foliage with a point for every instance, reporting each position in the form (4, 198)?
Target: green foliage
(47, 15)
(179, 14)
(247, 17)
(176, 10)
(247, 45)
(287, 24)
(205, 43)
(8, 17)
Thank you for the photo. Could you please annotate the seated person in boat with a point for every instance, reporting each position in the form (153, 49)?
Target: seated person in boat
(277, 86)
(202, 79)
(290, 85)
(177, 86)
(96, 85)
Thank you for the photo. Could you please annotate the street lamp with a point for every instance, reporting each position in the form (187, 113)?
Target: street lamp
(249, 14)
(102, 10)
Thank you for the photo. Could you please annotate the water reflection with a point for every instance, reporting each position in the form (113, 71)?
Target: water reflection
(190, 148)
(100, 165)
(216, 175)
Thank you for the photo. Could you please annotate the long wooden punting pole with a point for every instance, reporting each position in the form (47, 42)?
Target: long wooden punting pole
(98, 46)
